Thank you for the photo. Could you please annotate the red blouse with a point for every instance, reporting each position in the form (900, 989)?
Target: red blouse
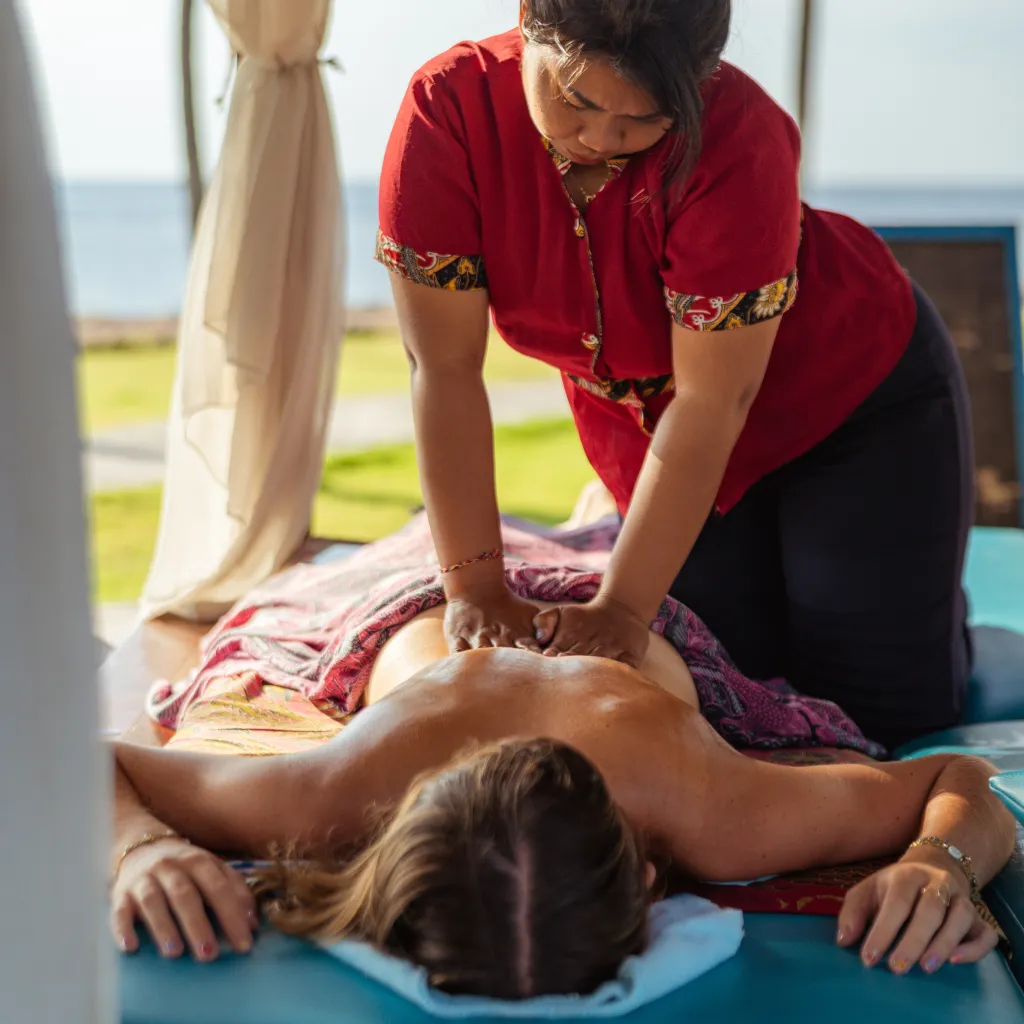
(472, 197)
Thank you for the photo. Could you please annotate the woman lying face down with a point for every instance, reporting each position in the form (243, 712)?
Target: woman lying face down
(511, 873)
(492, 815)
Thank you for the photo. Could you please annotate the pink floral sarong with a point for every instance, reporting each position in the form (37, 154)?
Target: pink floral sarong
(317, 629)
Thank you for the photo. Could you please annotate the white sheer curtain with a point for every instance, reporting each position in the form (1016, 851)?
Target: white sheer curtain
(54, 839)
(261, 324)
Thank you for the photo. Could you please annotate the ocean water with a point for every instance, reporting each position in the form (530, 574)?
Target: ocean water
(126, 245)
(126, 248)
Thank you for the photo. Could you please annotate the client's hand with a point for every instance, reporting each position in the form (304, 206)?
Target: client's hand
(490, 617)
(172, 888)
(603, 628)
(925, 901)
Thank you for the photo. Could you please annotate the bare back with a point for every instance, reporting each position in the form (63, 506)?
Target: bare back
(424, 706)
(718, 814)
(421, 643)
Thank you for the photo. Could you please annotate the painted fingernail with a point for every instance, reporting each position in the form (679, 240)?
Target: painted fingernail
(899, 966)
(871, 957)
(244, 946)
(207, 949)
(122, 944)
(932, 965)
(840, 935)
(254, 919)
(956, 959)
(171, 947)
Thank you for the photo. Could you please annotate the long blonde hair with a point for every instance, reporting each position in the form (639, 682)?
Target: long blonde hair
(509, 874)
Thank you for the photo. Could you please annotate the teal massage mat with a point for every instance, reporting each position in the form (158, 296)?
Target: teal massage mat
(994, 577)
(995, 587)
(788, 969)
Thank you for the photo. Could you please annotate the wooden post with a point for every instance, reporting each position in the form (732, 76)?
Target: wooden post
(54, 839)
(195, 173)
(807, 24)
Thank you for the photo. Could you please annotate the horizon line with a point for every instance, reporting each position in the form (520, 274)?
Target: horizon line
(901, 184)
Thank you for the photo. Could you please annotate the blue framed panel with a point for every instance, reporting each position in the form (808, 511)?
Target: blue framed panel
(1006, 238)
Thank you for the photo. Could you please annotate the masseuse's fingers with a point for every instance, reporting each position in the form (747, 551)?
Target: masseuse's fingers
(545, 625)
(929, 915)
(458, 644)
(563, 640)
(525, 638)
(628, 658)
(524, 643)
(504, 637)
(577, 649)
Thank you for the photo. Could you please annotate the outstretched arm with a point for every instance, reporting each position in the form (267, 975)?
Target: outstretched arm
(171, 809)
(232, 805)
(766, 819)
(313, 803)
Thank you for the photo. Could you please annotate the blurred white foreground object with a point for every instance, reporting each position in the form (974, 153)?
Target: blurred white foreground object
(53, 809)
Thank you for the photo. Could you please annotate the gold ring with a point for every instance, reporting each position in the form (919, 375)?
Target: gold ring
(941, 890)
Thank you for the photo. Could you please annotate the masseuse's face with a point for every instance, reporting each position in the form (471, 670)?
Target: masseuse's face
(586, 110)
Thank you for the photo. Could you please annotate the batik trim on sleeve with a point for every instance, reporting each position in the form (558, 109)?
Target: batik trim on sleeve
(455, 273)
(700, 313)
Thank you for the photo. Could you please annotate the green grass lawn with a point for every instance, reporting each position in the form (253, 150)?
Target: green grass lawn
(540, 468)
(118, 386)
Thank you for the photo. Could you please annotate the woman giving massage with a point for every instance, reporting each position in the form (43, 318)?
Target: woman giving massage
(494, 814)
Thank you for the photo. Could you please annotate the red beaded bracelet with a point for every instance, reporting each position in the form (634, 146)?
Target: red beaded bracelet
(484, 556)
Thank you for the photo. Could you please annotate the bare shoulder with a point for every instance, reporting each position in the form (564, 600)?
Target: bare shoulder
(657, 755)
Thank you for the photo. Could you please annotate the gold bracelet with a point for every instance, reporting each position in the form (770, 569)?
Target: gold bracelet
(146, 839)
(961, 858)
(979, 904)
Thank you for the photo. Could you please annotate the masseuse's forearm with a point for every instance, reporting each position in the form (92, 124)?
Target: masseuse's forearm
(962, 810)
(674, 494)
(455, 447)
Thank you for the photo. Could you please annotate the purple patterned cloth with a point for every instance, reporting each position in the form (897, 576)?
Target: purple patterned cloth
(317, 629)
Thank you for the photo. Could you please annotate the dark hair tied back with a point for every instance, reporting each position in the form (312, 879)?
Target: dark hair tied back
(665, 47)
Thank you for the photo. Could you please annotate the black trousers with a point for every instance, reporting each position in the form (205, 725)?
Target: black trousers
(841, 571)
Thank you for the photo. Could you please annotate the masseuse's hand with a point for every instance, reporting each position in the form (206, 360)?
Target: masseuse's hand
(916, 911)
(173, 888)
(603, 628)
(490, 616)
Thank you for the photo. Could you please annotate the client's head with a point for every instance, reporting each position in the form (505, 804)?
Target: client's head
(509, 874)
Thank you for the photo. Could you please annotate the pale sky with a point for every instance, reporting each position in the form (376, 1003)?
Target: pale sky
(906, 91)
